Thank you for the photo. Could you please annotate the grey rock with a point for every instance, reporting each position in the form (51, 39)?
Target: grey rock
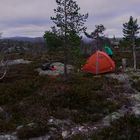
(19, 127)
(8, 137)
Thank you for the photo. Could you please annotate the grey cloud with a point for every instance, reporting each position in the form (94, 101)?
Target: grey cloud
(32, 17)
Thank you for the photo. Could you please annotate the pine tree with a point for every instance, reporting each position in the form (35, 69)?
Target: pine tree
(69, 21)
(53, 39)
(130, 32)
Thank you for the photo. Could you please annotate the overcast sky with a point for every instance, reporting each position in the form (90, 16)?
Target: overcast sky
(32, 17)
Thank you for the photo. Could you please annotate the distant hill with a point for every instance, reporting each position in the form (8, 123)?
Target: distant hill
(29, 39)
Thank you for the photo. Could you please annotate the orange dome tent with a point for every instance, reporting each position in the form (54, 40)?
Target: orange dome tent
(99, 63)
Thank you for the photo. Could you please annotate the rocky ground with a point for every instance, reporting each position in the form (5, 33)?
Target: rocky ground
(38, 107)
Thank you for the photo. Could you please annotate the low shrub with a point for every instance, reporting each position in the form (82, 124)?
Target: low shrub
(126, 128)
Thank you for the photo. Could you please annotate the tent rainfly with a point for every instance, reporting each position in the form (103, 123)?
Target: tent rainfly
(99, 63)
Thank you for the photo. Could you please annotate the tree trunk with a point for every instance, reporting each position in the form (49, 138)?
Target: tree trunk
(65, 62)
(65, 46)
(134, 55)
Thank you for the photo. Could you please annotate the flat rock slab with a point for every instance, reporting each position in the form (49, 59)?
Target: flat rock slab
(59, 69)
(15, 62)
(8, 137)
(120, 77)
(18, 61)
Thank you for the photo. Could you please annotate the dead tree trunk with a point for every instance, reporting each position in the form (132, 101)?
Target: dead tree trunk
(3, 64)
